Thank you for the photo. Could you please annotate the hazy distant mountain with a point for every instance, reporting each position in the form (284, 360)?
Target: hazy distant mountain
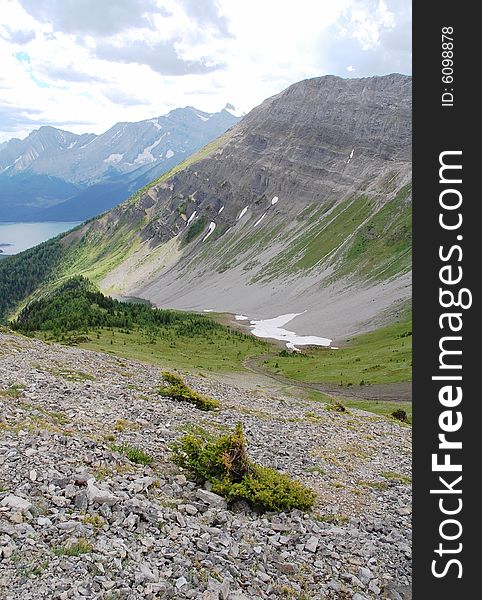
(116, 163)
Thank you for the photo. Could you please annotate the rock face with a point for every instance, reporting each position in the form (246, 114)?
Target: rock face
(307, 205)
(162, 537)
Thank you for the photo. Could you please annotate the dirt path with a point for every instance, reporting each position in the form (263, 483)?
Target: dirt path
(395, 392)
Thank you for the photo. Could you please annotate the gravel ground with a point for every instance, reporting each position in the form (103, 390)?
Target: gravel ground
(148, 531)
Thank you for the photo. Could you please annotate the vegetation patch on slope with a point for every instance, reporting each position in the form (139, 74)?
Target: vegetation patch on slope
(318, 239)
(178, 390)
(194, 230)
(381, 248)
(21, 274)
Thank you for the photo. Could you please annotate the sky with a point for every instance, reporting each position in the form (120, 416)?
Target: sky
(84, 65)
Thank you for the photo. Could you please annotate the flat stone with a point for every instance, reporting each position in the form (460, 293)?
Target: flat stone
(224, 589)
(287, 568)
(16, 503)
(145, 574)
(68, 525)
(181, 582)
(98, 496)
(312, 544)
(365, 575)
(212, 499)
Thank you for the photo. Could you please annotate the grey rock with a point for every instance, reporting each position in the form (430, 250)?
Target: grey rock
(81, 500)
(365, 575)
(224, 589)
(145, 574)
(287, 568)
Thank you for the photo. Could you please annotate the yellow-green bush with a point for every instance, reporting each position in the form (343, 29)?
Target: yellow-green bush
(178, 390)
(223, 461)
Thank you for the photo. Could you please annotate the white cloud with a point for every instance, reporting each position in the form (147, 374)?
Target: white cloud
(86, 65)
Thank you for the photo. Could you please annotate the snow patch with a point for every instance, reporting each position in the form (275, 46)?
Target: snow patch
(241, 318)
(113, 159)
(191, 218)
(169, 153)
(220, 210)
(155, 123)
(212, 227)
(118, 133)
(145, 156)
(202, 117)
(274, 200)
(208, 310)
(273, 328)
(260, 219)
(88, 143)
(243, 212)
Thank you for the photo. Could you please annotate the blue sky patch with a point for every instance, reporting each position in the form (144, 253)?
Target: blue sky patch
(22, 57)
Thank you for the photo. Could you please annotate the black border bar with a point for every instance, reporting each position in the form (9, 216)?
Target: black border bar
(451, 125)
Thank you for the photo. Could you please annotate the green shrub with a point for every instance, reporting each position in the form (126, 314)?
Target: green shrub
(178, 390)
(400, 415)
(13, 391)
(135, 455)
(272, 490)
(223, 461)
(194, 230)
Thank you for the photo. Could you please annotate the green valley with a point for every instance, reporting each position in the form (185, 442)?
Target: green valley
(77, 313)
(380, 356)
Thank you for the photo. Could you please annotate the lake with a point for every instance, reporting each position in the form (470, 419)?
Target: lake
(16, 237)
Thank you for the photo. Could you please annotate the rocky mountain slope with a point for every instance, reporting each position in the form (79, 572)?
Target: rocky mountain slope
(303, 207)
(80, 520)
(121, 160)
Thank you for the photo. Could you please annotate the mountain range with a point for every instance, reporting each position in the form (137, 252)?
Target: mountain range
(57, 175)
(303, 207)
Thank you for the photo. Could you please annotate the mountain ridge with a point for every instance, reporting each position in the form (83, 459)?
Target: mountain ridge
(303, 207)
(122, 159)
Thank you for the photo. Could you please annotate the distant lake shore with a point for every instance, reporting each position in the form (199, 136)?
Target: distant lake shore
(17, 237)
